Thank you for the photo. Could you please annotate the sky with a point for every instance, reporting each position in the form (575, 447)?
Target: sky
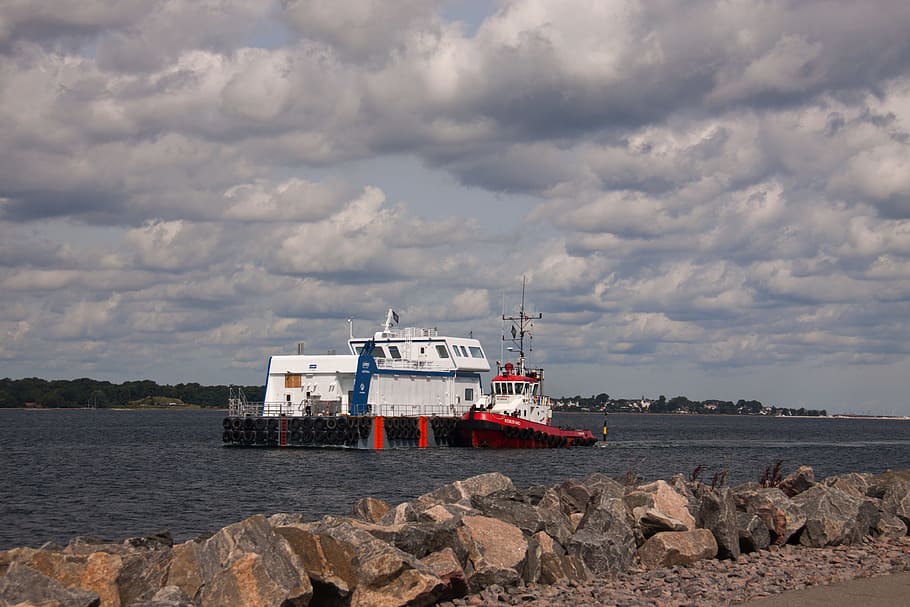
(706, 198)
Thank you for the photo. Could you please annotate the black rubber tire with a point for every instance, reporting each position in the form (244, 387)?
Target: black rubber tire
(331, 423)
(307, 437)
(247, 423)
(342, 422)
(236, 436)
(294, 437)
(226, 436)
(273, 423)
(228, 423)
(294, 424)
(260, 423)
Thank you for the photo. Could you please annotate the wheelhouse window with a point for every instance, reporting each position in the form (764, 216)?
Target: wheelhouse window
(394, 352)
(442, 351)
(476, 352)
(469, 395)
(509, 388)
(378, 352)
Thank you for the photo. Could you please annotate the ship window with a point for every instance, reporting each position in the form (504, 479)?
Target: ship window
(378, 352)
(476, 352)
(358, 349)
(441, 350)
(468, 394)
(509, 388)
(393, 351)
(292, 380)
(535, 389)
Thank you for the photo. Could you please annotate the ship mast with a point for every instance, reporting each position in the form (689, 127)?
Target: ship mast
(521, 326)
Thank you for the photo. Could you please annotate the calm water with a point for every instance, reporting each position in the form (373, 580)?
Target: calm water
(115, 474)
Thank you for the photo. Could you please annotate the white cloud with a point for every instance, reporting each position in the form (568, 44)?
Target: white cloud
(721, 183)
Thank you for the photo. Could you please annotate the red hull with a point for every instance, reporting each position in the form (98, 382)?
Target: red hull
(496, 431)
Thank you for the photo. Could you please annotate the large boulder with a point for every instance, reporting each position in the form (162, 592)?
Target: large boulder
(421, 538)
(670, 548)
(835, 517)
(496, 552)
(516, 508)
(855, 483)
(447, 566)
(652, 521)
(118, 573)
(605, 541)
(246, 563)
(22, 585)
(573, 496)
(716, 511)
(462, 492)
(350, 565)
(601, 484)
(753, 533)
(782, 516)
(369, 509)
(894, 492)
(660, 496)
(798, 481)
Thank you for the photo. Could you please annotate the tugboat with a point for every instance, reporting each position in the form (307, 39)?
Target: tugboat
(517, 414)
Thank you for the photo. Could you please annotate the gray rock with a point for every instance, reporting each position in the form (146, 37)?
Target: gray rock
(514, 507)
(780, 514)
(464, 491)
(835, 517)
(894, 492)
(671, 548)
(853, 483)
(557, 568)
(716, 511)
(753, 533)
(573, 496)
(241, 558)
(604, 540)
(889, 526)
(22, 585)
(598, 484)
(349, 565)
(496, 552)
(798, 481)
(652, 521)
(660, 496)
(169, 596)
(446, 566)
(369, 509)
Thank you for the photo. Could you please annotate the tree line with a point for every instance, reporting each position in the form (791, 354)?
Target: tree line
(678, 404)
(85, 392)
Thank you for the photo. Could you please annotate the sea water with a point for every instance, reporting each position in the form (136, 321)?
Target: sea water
(114, 474)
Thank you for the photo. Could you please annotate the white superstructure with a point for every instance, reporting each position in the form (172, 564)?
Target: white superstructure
(398, 372)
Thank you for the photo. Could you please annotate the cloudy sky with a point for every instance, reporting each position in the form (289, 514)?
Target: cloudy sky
(708, 198)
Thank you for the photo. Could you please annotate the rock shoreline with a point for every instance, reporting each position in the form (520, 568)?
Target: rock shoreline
(482, 541)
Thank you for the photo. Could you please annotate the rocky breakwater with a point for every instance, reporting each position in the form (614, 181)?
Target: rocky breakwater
(484, 541)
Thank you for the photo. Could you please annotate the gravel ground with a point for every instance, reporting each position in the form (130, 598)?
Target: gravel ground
(713, 583)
